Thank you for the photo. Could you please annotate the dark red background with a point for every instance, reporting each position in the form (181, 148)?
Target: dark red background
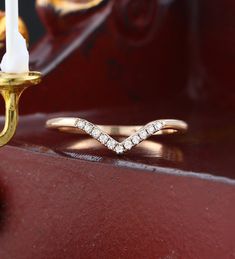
(126, 61)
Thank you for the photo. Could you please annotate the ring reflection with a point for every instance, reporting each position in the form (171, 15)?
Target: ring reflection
(147, 149)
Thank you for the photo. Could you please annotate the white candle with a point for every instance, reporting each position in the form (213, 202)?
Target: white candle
(16, 58)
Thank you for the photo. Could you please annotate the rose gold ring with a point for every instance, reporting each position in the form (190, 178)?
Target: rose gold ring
(104, 133)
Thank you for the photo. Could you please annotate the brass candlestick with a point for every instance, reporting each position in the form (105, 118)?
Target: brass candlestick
(11, 88)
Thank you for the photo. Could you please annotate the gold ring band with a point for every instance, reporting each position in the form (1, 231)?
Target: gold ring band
(102, 133)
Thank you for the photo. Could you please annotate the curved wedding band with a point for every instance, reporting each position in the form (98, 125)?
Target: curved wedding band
(103, 133)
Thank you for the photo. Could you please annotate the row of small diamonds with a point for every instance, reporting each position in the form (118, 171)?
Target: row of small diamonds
(143, 134)
(99, 135)
(112, 144)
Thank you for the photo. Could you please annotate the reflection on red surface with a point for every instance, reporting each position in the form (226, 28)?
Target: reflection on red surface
(149, 149)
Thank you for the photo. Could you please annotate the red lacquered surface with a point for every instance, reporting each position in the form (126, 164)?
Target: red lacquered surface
(58, 208)
(207, 148)
(63, 196)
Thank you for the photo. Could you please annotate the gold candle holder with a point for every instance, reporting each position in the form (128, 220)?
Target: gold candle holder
(11, 88)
